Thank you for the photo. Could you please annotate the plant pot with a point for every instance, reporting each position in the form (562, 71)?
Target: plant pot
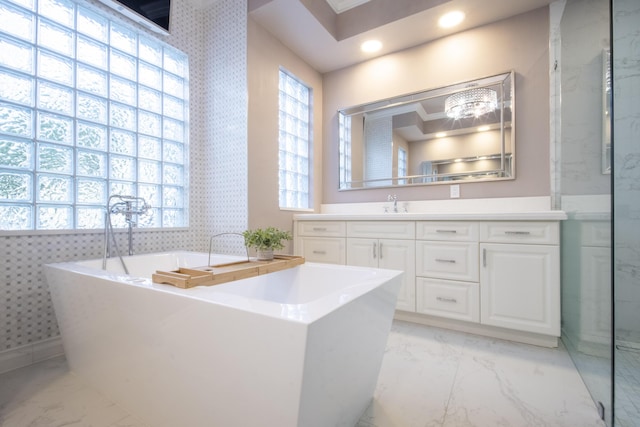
(265, 254)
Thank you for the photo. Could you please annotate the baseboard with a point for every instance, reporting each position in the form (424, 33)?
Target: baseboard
(26, 355)
(478, 329)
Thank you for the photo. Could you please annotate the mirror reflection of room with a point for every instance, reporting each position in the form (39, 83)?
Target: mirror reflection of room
(460, 132)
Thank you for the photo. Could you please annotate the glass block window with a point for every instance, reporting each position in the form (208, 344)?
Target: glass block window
(294, 143)
(402, 164)
(344, 123)
(89, 107)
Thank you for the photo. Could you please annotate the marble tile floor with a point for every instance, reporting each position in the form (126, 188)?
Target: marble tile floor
(430, 377)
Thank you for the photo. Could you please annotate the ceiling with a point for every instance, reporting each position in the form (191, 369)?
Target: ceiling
(328, 40)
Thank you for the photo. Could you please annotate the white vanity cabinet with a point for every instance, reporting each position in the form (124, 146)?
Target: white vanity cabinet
(491, 274)
(520, 276)
(395, 251)
(321, 241)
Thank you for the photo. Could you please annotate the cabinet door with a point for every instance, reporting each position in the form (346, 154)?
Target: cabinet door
(520, 287)
(362, 252)
(400, 255)
(329, 250)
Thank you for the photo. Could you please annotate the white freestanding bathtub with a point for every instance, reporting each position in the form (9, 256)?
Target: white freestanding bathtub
(299, 347)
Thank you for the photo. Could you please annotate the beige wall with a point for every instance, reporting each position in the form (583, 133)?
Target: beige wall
(265, 57)
(519, 43)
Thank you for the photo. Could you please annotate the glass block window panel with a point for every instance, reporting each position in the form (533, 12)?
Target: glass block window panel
(124, 39)
(58, 10)
(15, 55)
(92, 80)
(92, 24)
(92, 52)
(149, 148)
(55, 67)
(89, 107)
(91, 163)
(150, 99)
(122, 64)
(54, 217)
(16, 88)
(124, 91)
(56, 38)
(149, 123)
(123, 168)
(294, 142)
(149, 171)
(16, 217)
(56, 128)
(15, 186)
(16, 22)
(55, 158)
(123, 116)
(123, 142)
(91, 191)
(91, 136)
(16, 154)
(53, 188)
(90, 218)
(150, 50)
(16, 120)
(55, 98)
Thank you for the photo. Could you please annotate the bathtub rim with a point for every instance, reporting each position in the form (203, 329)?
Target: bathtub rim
(305, 313)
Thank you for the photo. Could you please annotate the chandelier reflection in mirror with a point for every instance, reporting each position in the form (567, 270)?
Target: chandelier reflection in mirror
(471, 103)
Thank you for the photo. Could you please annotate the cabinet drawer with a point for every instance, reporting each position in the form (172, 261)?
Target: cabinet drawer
(330, 250)
(527, 232)
(447, 230)
(322, 228)
(447, 260)
(447, 298)
(382, 229)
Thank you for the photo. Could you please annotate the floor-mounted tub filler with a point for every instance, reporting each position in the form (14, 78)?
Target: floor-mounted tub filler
(298, 347)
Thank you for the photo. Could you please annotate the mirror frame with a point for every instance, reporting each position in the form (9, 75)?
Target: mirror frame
(507, 162)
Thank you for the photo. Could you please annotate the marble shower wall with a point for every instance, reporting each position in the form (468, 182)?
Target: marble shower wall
(215, 40)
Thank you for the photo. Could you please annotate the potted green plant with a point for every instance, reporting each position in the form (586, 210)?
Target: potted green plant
(265, 241)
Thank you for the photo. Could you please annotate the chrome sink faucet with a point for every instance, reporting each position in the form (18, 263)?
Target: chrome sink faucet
(393, 198)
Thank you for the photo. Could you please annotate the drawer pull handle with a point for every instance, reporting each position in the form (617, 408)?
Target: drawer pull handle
(447, 231)
(320, 252)
(448, 261)
(319, 228)
(518, 233)
(446, 299)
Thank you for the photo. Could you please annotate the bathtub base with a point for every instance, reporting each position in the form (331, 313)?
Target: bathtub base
(185, 361)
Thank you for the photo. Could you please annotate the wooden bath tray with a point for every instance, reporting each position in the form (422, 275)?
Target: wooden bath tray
(222, 273)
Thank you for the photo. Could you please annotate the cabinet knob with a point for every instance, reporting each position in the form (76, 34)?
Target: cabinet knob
(518, 233)
(320, 252)
(319, 228)
(449, 261)
(447, 299)
(447, 231)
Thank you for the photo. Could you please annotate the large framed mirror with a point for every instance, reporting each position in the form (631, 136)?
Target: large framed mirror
(460, 132)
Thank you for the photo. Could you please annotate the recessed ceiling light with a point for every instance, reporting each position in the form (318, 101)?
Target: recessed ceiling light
(371, 46)
(451, 19)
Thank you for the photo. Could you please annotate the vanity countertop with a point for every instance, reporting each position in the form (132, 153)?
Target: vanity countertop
(554, 215)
